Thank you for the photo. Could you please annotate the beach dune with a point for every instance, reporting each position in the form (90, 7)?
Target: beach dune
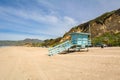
(30, 63)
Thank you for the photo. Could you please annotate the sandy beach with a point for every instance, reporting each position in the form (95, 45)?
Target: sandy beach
(30, 63)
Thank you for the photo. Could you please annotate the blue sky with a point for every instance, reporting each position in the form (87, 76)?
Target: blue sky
(45, 19)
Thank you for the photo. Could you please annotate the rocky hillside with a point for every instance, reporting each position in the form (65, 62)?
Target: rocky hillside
(28, 40)
(107, 23)
(25, 42)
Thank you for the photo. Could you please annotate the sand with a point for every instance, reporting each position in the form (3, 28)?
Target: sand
(29, 63)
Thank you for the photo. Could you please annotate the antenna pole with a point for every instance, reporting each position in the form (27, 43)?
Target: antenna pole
(90, 31)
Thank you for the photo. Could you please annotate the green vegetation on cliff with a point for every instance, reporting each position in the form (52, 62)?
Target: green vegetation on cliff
(110, 39)
(51, 42)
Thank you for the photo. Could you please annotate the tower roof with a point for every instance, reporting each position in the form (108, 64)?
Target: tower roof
(81, 33)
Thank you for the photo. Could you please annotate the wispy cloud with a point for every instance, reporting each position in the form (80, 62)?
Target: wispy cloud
(36, 16)
(53, 24)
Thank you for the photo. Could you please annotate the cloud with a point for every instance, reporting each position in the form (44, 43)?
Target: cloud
(22, 21)
(29, 15)
(35, 16)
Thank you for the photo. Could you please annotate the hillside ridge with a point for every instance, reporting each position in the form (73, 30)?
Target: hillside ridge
(109, 22)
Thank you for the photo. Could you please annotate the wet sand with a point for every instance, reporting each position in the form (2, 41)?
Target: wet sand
(29, 63)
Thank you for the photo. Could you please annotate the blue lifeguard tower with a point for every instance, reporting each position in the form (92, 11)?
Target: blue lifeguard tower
(78, 41)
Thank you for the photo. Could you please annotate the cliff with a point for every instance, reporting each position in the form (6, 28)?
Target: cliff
(108, 23)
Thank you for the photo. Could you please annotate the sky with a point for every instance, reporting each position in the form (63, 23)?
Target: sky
(46, 19)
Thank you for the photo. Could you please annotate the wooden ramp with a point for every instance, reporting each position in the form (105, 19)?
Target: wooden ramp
(60, 48)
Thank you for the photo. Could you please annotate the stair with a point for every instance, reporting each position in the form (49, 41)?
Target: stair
(60, 48)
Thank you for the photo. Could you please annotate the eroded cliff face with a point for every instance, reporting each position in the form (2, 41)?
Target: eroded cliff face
(106, 23)
(110, 24)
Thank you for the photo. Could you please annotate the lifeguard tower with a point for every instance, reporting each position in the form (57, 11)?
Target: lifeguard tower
(78, 41)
